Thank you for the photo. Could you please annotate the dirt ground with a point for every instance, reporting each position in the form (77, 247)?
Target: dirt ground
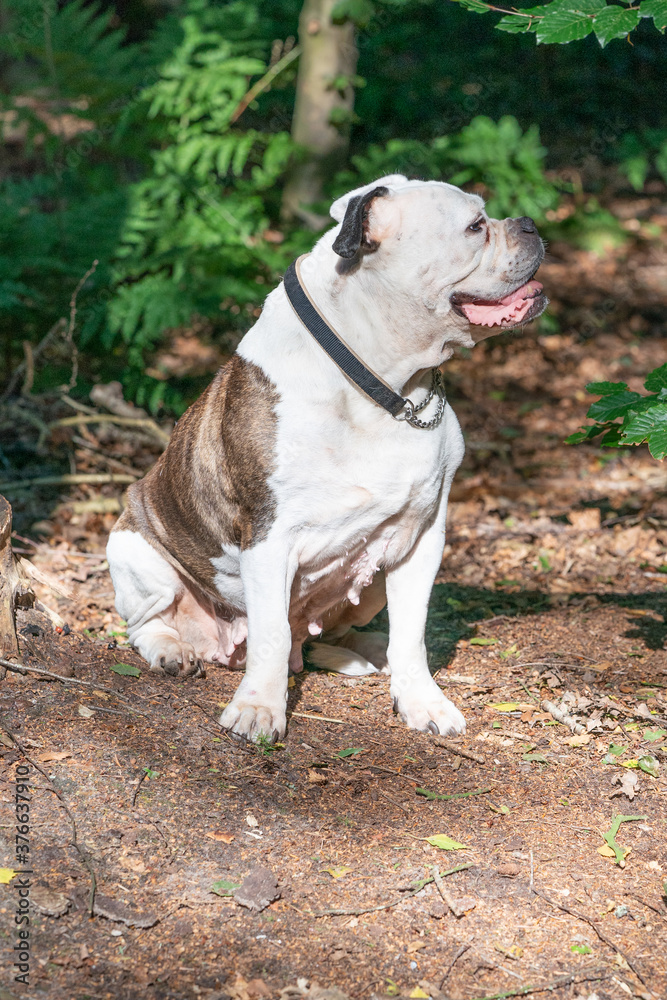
(552, 589)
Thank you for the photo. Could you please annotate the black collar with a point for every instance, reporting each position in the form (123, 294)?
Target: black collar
(348, 362)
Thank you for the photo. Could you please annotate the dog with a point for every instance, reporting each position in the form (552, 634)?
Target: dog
(307, 487)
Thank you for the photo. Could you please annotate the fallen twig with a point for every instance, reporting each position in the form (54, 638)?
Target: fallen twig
(455, 795)
(69, 332)
(530, 694)
(661, 913)
(56, 791)
(390, 770)
(145, 423)
(144, 774)
(21, 668)
(48, 579)
(72, 479)
(447, 678)
(352, 912)
(549, 663)
(461, 951)
(121, 466)
(318, 718)
(420, 883)
(393, 801)
(77, 405)
(57, 327)
(446, 898)
(565, 719)
(577, 977)
(468, 754)
(591, 923)
(496, 618)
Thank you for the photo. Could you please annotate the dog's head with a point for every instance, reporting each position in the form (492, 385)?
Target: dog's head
(435, 243)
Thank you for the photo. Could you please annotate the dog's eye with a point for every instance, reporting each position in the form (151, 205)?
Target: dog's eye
(476, 226)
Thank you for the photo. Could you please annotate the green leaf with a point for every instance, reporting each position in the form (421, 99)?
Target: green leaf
(581, 949)
(225, 888)
(650, 426)
(615, 750)
(613, 405)
(614, 22)
(512, 650)
(657, 9)
(479, 640)
(338, 871)
(612, 438)
(445, 843)
(657, 379)
(610, 836)
(502, 810)
(514, 24)
(537, 758)
(605, 388)
(474, 5)
(126, 669)
(580, 6)
(650, 765)
(350, 752)
(651, 735)
(584, 434)
(559, 26)
(636, 169)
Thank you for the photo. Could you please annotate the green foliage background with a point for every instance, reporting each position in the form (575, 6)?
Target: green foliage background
(149, 174)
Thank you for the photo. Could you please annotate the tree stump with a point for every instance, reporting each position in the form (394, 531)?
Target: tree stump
(14, 590)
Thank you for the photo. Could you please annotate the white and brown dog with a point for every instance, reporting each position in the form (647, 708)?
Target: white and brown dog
(290, 503)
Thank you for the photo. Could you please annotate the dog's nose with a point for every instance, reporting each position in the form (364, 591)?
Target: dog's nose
(526, 224)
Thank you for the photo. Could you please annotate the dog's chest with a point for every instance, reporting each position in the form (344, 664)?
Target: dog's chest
(356, 500)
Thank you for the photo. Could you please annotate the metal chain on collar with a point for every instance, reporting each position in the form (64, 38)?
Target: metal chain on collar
(411, 409)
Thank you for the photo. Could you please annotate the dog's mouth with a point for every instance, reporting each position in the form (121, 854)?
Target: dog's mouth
(520, 306)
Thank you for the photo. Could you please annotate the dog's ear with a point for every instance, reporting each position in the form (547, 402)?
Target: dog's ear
(353, 231)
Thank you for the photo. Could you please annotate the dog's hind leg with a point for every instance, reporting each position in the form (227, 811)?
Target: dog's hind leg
(148, 594)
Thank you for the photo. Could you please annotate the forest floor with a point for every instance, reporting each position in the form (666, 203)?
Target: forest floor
(552, 588)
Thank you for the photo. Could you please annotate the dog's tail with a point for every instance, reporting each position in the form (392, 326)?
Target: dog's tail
(340, 660)
(354, 653)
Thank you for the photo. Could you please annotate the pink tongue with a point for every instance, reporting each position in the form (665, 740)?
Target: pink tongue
(510, 309)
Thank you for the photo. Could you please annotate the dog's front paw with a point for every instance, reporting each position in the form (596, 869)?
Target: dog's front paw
(245, 717)
(428, 709)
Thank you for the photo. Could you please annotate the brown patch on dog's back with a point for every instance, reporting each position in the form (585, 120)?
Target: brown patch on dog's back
(210, 487)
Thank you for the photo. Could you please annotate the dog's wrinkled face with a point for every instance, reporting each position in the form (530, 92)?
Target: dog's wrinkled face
(461, 264)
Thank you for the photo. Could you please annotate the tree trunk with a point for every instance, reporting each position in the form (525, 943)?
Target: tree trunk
(323, 108)
(13, 589)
